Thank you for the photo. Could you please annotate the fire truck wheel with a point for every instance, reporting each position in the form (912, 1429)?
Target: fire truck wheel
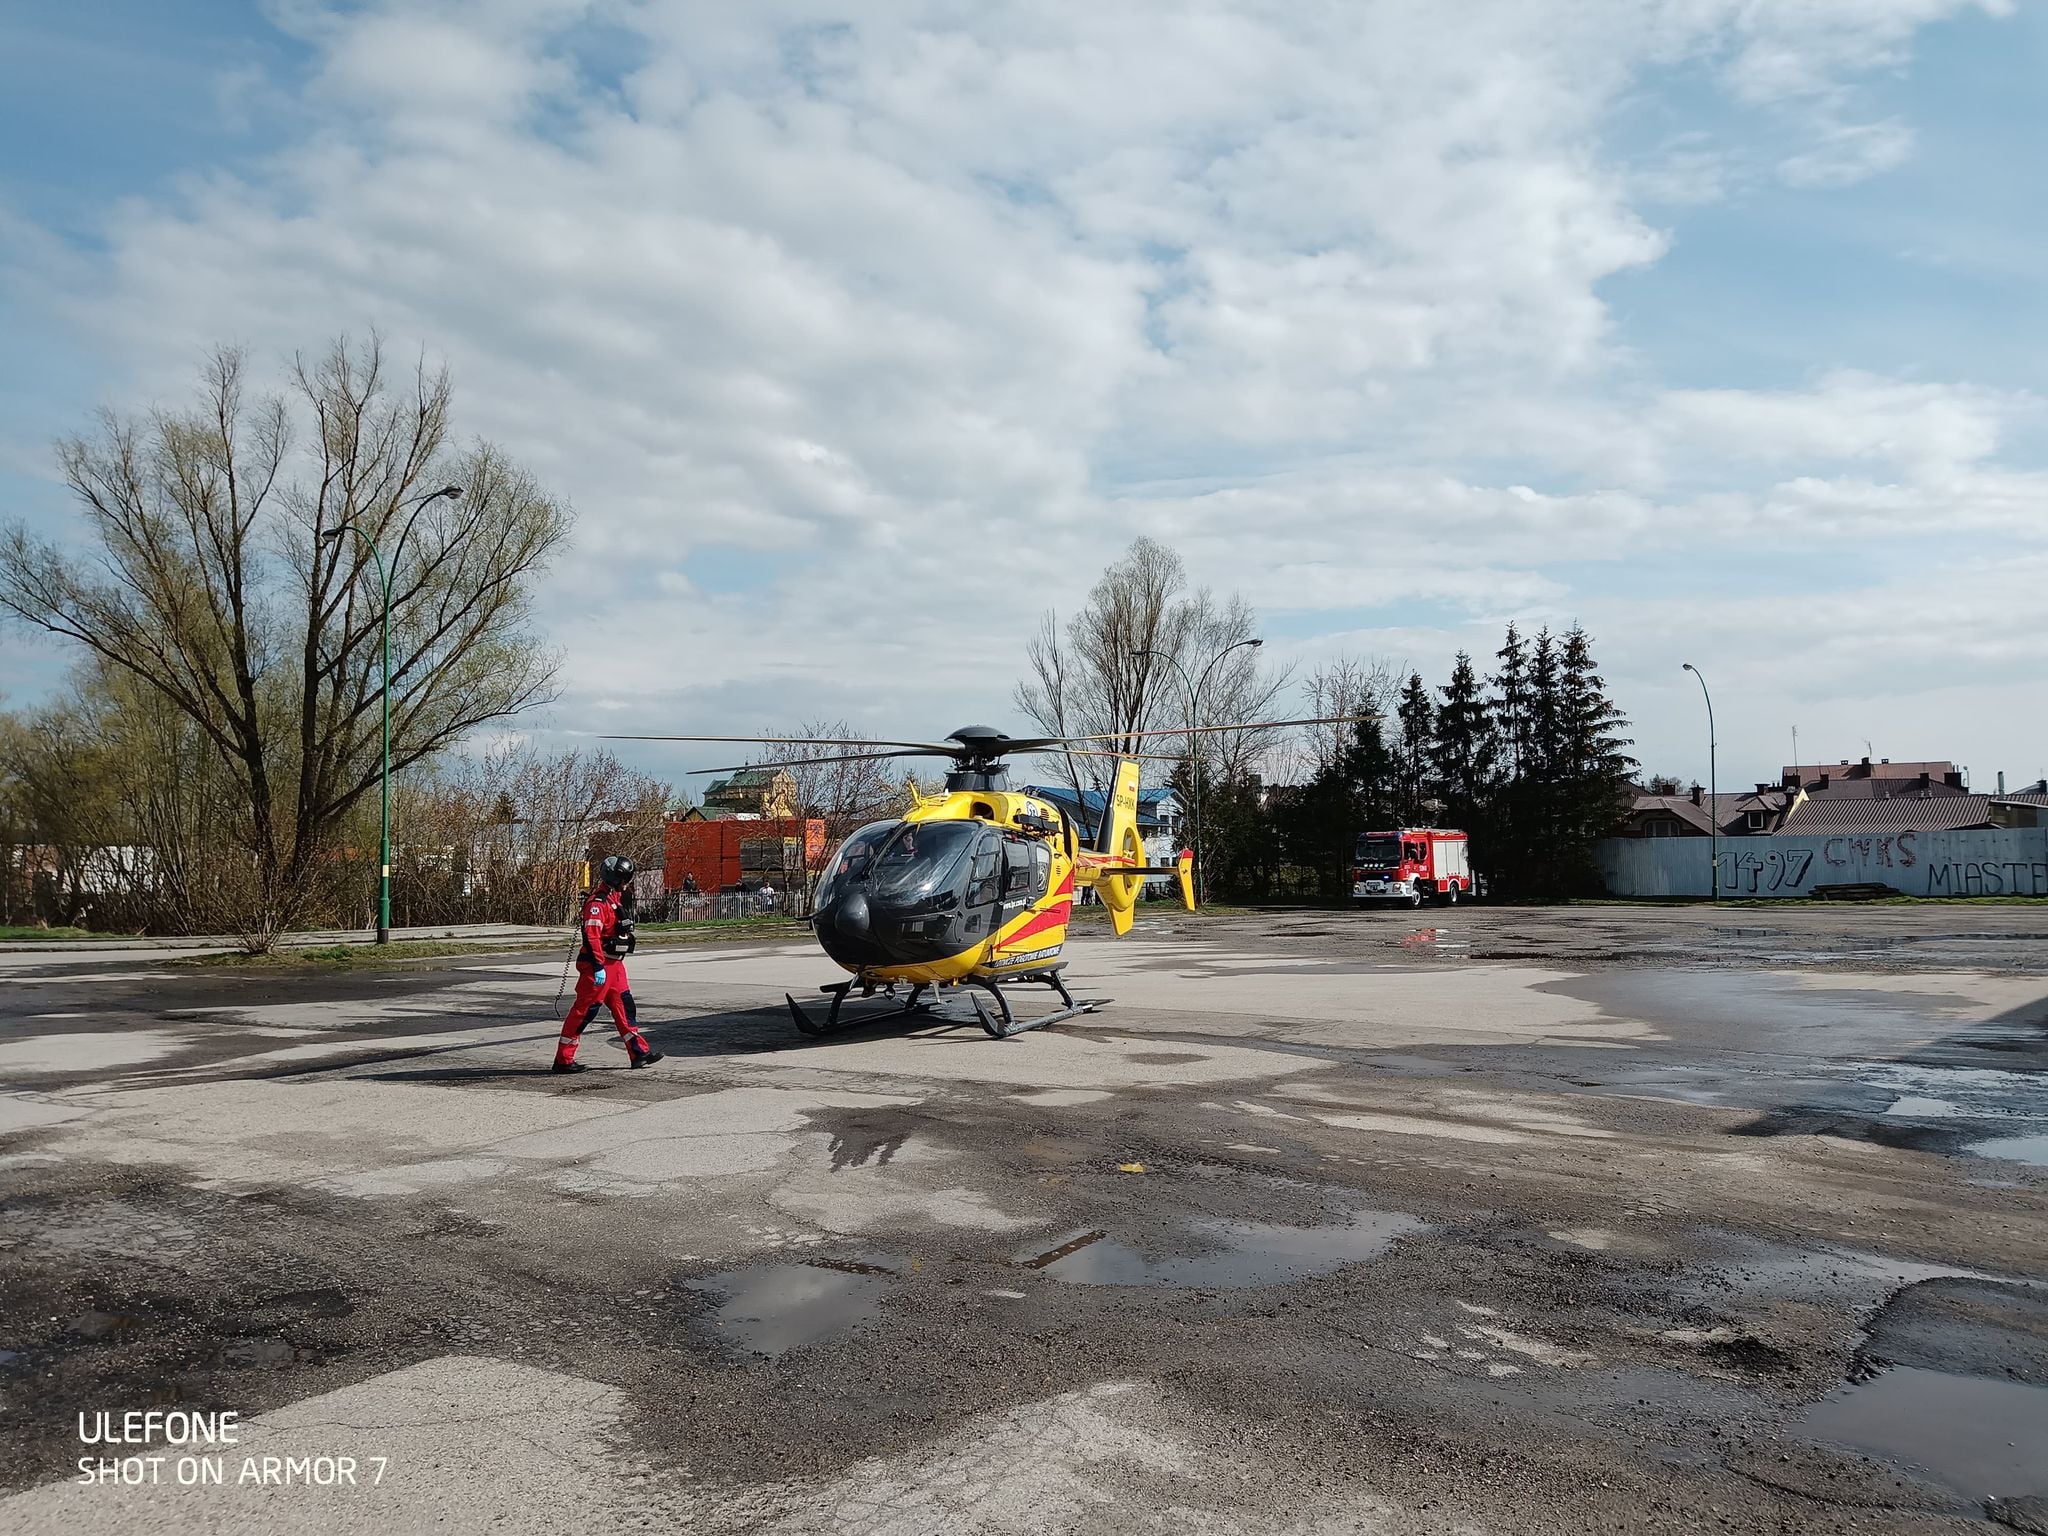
(1415, 899)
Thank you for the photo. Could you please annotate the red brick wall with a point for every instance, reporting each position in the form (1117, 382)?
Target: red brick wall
(709, 851)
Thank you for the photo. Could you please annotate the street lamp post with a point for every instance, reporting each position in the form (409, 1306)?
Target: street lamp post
(1192, 693)
(333, 535)
(1713, 792)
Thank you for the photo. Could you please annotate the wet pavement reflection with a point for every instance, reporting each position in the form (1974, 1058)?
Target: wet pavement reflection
(770, 1308)
(1984, 1438)
(1234, 1253)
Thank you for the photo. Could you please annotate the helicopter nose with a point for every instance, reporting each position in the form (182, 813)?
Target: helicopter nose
(851, 917)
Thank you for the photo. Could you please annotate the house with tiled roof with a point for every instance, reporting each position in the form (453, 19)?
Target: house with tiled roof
(1859, 796)
(1747, 813)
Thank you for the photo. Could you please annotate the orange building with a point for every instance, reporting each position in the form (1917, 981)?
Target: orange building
(722, 851)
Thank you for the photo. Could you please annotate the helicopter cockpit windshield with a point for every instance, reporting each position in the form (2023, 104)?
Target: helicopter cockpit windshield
(899, 864)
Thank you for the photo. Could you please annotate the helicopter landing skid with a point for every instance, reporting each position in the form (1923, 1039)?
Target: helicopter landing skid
(1002, 1024)
(839, 991)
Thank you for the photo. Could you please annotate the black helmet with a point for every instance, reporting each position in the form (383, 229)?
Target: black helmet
(616, 872)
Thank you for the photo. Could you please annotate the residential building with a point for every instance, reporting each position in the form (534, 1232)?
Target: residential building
(1864, 795)
(753, 792)
(1745, 813)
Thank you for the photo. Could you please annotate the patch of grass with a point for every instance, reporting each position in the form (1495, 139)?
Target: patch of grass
(39, 935)
(404, 952)
(358, 957)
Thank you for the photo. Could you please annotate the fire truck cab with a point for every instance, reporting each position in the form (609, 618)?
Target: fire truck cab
(1410, 866)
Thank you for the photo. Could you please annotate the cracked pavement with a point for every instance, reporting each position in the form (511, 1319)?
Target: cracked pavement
(1514, 1220)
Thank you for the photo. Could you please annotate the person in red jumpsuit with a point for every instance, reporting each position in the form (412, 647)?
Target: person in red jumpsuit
(607, 926)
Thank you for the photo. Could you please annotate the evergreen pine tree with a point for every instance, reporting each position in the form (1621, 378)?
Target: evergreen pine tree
(1513, 816)
(1372, 773)
(1414, 794)
(1542, 844)
(1465, 756)
(1544, 749)
(1594, 786)
(1315, 828)
(1510, 707)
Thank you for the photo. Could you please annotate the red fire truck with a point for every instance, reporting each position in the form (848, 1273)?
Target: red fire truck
(1411, 866)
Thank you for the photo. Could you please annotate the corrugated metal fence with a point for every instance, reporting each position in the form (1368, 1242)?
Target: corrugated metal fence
(2004, 862)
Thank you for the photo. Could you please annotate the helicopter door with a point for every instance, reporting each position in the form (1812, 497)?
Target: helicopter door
(1030, 871)
(1027, 871)
(983, 889)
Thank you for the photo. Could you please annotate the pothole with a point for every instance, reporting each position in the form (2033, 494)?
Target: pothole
(2013, 1149)
(768, 1309)
(1983, 1438)
(1229, 1253)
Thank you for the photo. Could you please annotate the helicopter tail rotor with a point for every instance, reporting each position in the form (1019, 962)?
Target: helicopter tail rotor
(1115, 866)
(1119, 885)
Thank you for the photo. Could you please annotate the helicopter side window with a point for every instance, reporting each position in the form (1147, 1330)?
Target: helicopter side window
(1028, 869)
(981, 882)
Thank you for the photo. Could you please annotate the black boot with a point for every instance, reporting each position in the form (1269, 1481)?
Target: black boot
(646, 1058)
(570, 1066)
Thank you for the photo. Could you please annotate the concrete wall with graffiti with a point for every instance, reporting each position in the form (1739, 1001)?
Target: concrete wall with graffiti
(2005, 862)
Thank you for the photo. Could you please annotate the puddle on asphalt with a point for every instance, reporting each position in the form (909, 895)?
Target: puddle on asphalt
(1234, 1253)
(1983, 1438)
(770, 1308)
(1434, 938)
(1920, 1107)
(2014, 1149)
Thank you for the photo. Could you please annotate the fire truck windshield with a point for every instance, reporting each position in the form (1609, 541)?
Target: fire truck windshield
(1379, 851)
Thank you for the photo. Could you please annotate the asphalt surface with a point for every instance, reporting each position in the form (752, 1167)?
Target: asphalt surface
(1497, 1220)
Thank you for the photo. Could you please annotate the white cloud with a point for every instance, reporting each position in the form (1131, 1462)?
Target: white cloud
(939, 307)
(1814, 48)
(1917, 430)
(1848, 154)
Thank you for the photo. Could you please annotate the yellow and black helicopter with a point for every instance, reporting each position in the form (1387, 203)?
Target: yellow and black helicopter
(973, 887)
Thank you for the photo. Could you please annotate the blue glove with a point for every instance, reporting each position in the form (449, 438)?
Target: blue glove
(597, 977)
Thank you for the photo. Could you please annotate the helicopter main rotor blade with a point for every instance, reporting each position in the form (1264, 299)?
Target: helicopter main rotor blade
(880, 757)
(1203, 730)
(794, 741)
(843, 757)
(1135, 757)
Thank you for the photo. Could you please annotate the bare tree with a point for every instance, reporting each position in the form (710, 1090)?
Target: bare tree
(843, 795)
(59, 796)
(1343, 689)
(213, 586)
(125, 800)
(506, 834)
(1102, 675)
(1046, 696)
(1236, 685)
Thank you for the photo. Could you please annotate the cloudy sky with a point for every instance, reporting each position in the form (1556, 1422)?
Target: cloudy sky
(1715, 325)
